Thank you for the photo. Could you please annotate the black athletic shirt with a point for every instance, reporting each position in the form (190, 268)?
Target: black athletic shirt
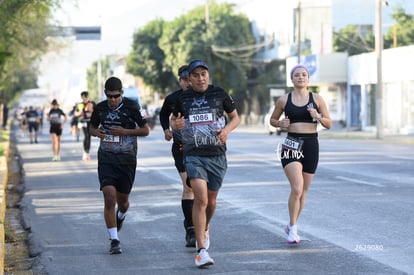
(127, 115)
(166, 110)
(299, 113)
(32, 116)
(55, 116)
(204, 115)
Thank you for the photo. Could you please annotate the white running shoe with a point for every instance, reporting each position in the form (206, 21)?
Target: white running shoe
(203, 259)
(293, 236)
(206, 239)
(86, 156)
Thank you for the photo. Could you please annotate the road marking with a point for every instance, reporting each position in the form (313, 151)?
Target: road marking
(359, 181)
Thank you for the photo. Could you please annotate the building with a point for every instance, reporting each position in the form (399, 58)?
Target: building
(398, 91)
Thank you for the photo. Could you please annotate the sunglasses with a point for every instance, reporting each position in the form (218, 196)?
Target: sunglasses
(113, 96)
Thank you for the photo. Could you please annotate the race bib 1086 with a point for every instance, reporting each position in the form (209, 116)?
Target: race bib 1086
(200, 118)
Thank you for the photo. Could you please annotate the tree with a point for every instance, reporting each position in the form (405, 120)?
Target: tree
(147, 59)
(94, 87)
(161, 47)
(401, 33)
(359, 39)
(224, 41)
(354, 40)
(24, 28)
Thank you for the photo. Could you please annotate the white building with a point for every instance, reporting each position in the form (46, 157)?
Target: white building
(398, 91)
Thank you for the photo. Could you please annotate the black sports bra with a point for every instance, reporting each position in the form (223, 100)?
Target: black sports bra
(299, 113)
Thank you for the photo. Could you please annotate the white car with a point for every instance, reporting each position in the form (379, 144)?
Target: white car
(269, 128)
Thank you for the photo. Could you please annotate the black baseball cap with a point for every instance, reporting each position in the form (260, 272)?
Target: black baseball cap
(195, 64)
(183, 71)
(113, 84)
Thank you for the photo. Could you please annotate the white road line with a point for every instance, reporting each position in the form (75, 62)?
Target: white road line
(359, 181)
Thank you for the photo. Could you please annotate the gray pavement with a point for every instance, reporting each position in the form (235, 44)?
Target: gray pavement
(63, 210)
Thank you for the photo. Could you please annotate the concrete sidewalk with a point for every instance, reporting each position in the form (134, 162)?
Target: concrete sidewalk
(3, 182)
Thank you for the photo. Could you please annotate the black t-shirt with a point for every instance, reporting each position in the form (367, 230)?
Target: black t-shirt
(204, 115)
(32, 116)
(127, 115)
(55, 116)
(166, 111)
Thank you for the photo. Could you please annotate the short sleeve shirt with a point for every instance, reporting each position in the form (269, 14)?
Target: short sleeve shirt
(55, 116)
(166, 110)
(126, 115)
(32, 116)
(204, 116)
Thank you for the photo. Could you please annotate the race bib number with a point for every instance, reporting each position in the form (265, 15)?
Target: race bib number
(290, 143)
(201, 118)
(111, 139)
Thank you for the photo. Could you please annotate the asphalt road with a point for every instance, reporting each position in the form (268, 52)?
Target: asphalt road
(357, 220)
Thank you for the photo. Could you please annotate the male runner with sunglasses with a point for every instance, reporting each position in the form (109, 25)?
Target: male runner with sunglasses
(117, 121)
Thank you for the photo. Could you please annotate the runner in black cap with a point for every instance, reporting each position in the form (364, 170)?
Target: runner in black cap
(187, 197)
(199, 114)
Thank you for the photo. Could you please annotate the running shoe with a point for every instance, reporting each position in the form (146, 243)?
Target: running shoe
(86, 156)
(119, 221)
(203, 259)
(190, 238)
(115, 247)
(287, 229)
(206, 239)
(293, 236)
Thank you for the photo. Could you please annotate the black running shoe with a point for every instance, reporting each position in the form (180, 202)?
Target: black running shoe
(190, 238)
(115, 247)
(119, 221)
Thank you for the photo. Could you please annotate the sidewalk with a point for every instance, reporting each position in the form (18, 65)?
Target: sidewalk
(3, 182)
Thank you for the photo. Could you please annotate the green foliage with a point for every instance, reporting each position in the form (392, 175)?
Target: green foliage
(95, 88)
(160, 48)
(24, 27)
(352, 40)
(147, 59)
(401, 33)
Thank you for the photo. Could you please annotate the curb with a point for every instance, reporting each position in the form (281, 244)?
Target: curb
(4, 180)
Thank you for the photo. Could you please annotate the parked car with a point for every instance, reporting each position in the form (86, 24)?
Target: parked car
(269, 128)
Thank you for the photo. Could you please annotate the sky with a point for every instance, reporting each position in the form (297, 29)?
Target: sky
(63, 71)
(119, 19)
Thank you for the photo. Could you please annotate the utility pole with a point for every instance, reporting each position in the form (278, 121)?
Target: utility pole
(207, 15)
(299, 15)
(378, 50)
